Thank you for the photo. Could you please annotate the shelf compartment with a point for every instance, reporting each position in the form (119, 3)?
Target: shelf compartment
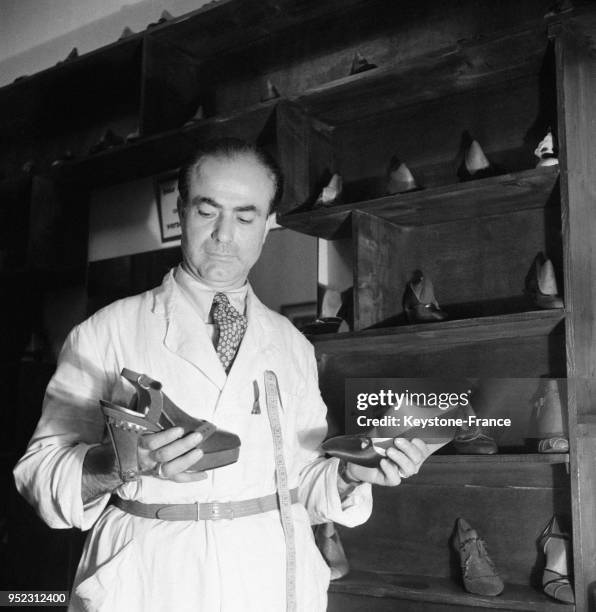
(68, 107)
(434, 336)
(165, 151)
(395, 539)
(464, 67)
(355, 126)
(498, 195)
(429, 589)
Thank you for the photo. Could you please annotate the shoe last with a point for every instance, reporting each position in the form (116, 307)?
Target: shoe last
(419, 302)
(478, 571)
(555, 545)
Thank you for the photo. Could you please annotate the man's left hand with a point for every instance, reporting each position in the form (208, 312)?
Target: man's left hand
(403, 460)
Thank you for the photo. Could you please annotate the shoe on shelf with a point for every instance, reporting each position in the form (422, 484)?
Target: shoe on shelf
(475, 444)
(165, 16)
(271, 92)
(475, 164)
(199, 115)
(470, 439)
(126, 33)
(360, 64)
(330, 546)
(550, 429)
(107, 141)
(557, 550)
(545, 151)
(419, 302)
(479, 573)
(331, 194)
(74, 53)
(541, 284)
(399, 178)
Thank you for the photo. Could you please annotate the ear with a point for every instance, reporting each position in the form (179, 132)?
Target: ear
(181, 208)
(269, 224)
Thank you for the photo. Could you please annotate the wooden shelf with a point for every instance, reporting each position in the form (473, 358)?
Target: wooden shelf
(442, 591)
(436, 335)
(461, 68)
(496, 195)
(521, 471)
(501, 459)
(230, 25)
(67, 91)
(164, 151)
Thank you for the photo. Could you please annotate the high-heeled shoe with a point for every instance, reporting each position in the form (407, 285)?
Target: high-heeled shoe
(550, 430)
(150, 410)
(479, 573)
(419, 302)
(399, 178)
(331, 194)
(475, 164)
(541, 284)
(360, 64)
(556, 578)
(545, 151)
(270, 93)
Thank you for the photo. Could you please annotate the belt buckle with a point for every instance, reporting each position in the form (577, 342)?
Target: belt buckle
(221, 510)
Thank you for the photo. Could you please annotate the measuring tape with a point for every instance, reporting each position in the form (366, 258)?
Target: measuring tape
(283, 489)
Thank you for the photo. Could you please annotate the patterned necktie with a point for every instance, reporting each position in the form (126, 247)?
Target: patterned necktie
(231, 326)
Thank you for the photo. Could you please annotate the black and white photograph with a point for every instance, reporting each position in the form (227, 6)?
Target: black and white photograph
(299, 305)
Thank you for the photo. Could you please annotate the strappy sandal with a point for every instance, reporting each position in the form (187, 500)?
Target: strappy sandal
(149, 411)
(555, 584)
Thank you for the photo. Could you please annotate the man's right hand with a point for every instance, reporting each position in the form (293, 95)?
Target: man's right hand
(166, 454)
(170, 453)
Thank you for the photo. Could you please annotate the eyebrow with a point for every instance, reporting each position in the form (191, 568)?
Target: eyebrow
(205, 200)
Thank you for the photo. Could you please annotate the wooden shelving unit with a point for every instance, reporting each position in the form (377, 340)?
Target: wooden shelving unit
(499, 72)
(441, 591)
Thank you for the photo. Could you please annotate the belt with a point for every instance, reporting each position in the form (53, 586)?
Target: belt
(208, 511)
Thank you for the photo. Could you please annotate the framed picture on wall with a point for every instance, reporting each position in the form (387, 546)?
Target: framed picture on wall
(166, 194)
(300, 314)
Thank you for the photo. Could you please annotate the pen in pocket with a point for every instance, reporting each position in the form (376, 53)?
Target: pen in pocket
(256, 407)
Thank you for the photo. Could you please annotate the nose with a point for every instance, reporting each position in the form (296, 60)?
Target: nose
(223, 230)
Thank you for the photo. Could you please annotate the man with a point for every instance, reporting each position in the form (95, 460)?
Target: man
(227, 198)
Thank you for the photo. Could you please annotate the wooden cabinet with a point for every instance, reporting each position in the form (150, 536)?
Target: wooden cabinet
(477, 240)
(501, 73)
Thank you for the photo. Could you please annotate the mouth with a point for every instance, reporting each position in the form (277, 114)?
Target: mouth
(221, 256)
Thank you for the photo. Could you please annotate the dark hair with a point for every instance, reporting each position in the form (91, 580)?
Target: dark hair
(230, 147)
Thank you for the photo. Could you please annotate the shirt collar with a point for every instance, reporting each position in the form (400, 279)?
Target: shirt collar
(201, 295)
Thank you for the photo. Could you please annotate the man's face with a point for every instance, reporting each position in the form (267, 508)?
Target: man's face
(226, 219)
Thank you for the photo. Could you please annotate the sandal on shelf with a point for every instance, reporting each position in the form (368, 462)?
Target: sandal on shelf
(556, 578)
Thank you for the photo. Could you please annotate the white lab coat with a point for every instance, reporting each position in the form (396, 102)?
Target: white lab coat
(130, 563)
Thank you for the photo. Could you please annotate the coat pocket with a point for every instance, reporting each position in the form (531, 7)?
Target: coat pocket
(115, 585)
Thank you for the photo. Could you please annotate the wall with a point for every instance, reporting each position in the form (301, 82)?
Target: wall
(123, 218)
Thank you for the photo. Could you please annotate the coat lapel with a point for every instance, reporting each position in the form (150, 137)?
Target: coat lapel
(186, 334)
(257, 340)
